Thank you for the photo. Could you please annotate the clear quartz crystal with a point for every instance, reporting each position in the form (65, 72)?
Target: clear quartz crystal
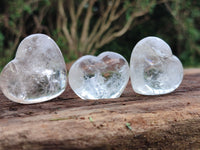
(154, 70)
(105, 76)
(38, 72)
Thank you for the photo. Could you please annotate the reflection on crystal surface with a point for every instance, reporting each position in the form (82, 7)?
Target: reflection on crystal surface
(100, 77)
(154, 69)
(37, 73)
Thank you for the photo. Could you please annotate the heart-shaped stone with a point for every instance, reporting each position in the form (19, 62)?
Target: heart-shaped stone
(101, 77)
(154, 69)
(38, 72)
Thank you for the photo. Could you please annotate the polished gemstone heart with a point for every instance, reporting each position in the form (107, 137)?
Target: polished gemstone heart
(154, 69)
(101, 77)
(38, 72)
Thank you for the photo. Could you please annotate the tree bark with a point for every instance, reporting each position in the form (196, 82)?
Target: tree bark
(132, 121)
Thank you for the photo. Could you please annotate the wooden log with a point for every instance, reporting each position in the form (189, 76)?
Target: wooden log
(133, 121)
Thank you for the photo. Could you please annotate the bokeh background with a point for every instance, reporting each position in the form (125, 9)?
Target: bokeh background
(81, 27)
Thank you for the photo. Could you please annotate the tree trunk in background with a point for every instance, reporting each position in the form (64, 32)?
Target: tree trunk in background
(89, 25)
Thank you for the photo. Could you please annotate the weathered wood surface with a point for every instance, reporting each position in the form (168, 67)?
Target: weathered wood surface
(169, 121)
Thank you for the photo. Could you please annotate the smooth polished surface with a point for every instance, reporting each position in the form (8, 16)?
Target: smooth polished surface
(38, 72)
(154, 69)
(101, 77)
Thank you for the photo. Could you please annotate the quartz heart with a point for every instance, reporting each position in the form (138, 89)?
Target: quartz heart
(154, 69)
(38, 72)
(101, 77)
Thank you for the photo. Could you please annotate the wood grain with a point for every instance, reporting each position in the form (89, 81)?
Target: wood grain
(169, 121)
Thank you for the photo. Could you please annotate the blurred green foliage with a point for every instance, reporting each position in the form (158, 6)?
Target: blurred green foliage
(179, 27)
(176, 22)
